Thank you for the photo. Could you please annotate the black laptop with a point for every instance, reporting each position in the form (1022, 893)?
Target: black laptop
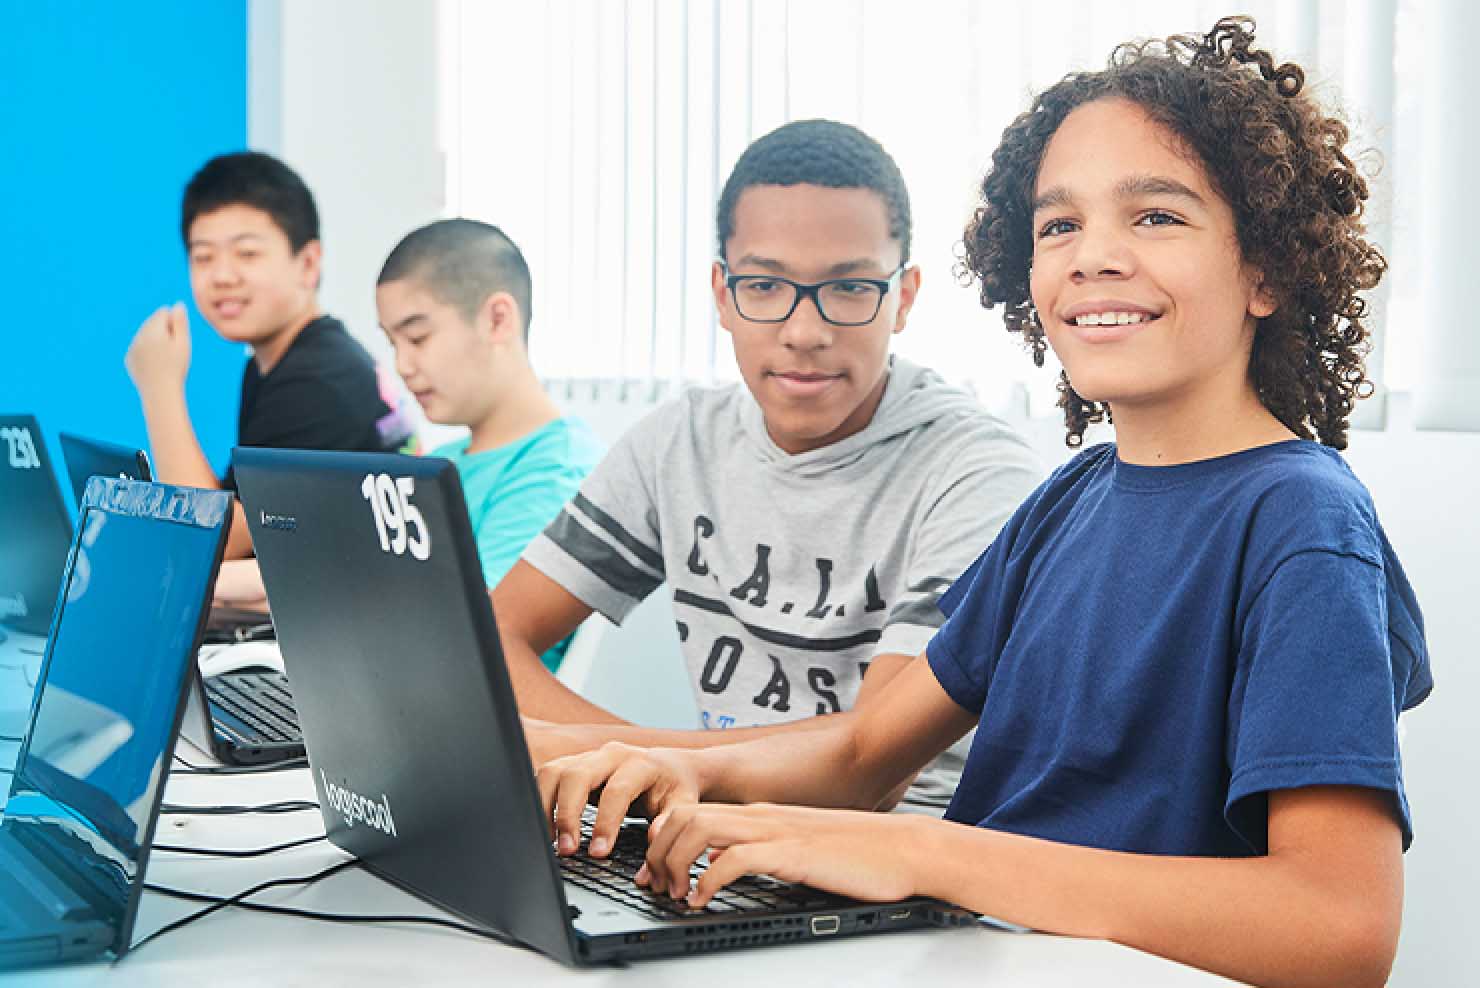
(415, 742)
(85, 792)
(87, 458)
(243, 718)
(93, 457)
(37, 528)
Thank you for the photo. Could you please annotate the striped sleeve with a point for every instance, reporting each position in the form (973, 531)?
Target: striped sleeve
(605, 546)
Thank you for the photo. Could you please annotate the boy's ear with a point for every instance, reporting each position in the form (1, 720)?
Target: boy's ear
(1263, 303)
(909, 289)
(311, 264)
(501, 317)
(721, 293)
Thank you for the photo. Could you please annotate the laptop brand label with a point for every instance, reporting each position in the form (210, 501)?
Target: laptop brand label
(355, 808)
(283, 523)
(13, 606)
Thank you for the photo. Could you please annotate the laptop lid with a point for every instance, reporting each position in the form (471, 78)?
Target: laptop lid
(87, 458)
(415, 745)
(35, 527)
(91, 769)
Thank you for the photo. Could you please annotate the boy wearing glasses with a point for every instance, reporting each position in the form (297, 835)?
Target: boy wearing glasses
(808, 521)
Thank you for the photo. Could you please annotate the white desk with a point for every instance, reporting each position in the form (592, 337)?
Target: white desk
(235, 947)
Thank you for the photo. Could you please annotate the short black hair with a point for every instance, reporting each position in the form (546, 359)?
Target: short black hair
(462, 262)
(818, 152)
(252, 178)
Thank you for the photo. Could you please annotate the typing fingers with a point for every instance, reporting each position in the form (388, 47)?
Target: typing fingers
(686, 833)
(631, 780)
(565, 785)
(739, 860)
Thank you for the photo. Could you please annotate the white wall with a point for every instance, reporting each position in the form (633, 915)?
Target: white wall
(1425, 485)
(346, 92)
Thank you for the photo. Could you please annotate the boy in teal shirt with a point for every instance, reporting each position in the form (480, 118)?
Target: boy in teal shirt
(454, 299)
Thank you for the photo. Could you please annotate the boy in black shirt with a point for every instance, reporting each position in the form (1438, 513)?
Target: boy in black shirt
(252, 233)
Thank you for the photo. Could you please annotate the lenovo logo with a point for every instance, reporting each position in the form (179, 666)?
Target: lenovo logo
(283, 523)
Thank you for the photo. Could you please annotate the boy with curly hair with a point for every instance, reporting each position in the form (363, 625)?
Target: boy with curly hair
(1186, 653)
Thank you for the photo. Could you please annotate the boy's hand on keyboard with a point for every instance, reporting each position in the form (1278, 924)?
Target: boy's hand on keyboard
(868, 856)
(645, 781)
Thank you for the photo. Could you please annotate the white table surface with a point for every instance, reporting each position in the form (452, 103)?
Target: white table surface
(235, 947)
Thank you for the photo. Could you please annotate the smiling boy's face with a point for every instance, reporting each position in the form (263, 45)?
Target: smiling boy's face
(248, 281)
(816, 383)
(1137, 275)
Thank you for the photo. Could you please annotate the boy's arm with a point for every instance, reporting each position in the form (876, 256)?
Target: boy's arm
(843, 760)
(1323, 907)
(534, 612)
(158, 361)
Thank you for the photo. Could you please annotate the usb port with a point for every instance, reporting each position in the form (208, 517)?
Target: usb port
(825, 925)
(899, 914)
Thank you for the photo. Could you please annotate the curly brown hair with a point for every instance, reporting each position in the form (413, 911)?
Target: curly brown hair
(1279, 161)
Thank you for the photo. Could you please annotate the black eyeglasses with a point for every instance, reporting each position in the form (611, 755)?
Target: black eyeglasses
(839, 301)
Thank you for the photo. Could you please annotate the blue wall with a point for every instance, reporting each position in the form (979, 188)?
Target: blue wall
(106, 109)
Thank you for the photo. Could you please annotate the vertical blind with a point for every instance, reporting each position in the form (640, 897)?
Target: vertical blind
(598, 135)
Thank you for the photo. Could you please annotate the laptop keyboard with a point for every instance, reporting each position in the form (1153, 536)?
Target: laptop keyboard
(260, 700)
(36, 882)
(613, 878)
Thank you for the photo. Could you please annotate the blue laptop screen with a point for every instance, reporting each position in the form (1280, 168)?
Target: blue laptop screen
(87, 782)
(36, 528)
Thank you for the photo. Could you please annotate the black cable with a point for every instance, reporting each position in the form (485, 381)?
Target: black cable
(218, 902)
(190, 769)
(288, 806)
(255, 852)
(342, 917)
(7, 737)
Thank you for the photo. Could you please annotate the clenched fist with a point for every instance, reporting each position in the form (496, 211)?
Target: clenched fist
(159, 356)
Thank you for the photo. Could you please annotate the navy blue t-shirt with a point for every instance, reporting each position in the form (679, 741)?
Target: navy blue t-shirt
(1155, 649)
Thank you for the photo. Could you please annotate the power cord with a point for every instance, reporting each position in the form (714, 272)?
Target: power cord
(255, 852)
(287, 806)
(240, 901)
(218, 902)
(190, 769)
(326, 917)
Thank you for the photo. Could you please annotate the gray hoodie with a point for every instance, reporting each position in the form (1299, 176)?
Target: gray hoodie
(790, 573)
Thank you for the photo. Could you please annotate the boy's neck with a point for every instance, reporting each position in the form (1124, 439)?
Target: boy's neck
(268, 352)
(522, 407)
(1194, 428)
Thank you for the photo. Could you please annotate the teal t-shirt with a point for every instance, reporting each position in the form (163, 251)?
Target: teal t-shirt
(514, 491)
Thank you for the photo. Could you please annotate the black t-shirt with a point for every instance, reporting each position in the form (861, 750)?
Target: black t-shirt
(325, 393)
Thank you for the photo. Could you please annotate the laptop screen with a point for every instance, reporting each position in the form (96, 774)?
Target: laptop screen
(35, 529)
(86, 458)
(86, 785)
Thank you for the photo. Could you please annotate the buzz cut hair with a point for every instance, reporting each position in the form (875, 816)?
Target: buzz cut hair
(461, 262)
